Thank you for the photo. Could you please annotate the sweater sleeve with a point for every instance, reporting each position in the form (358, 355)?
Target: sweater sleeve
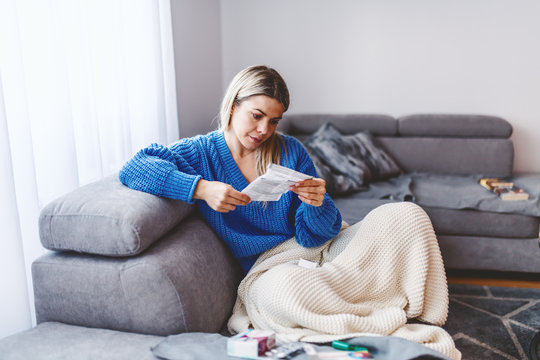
(164, 171)
(314, 225)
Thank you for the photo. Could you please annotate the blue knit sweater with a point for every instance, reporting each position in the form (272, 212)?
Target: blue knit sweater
(249, 230)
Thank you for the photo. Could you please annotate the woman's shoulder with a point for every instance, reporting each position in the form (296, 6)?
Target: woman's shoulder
(205, 141)
(292, 144)
(297, 156)
(291, 141)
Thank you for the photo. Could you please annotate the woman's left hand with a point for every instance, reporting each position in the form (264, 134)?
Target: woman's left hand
(310, 191)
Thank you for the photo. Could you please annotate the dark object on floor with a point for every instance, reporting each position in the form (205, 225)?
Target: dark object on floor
(489, 322)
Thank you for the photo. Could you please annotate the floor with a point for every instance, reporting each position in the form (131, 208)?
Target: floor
(494, 279)
(493, 322)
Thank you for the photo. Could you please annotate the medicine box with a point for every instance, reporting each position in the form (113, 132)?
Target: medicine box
(251, 344)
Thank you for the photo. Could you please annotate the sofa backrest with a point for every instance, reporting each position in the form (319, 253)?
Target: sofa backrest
(437, 143)
(303, 125)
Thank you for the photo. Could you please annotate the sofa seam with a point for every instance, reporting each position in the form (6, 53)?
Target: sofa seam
(122, 267)
(101, 266)
(167, 277)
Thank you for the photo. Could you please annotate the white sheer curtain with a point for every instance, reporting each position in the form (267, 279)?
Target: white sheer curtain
(84, 84)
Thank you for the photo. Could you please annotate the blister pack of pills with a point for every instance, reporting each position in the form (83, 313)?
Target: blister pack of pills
(286, 351)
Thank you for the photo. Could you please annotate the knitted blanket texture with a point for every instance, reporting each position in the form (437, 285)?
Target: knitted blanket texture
(373, 277)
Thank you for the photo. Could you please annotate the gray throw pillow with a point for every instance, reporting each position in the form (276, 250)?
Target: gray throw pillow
(348, 162)
(382, 166)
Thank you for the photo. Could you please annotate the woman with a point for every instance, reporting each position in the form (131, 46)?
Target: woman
(212, 169)
(371, 278)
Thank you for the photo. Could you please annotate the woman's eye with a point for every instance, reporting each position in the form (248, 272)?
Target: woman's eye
(257, 116)
(274, 122)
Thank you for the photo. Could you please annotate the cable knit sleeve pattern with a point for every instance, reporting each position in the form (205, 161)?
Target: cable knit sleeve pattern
(314, 225)
(164, 171)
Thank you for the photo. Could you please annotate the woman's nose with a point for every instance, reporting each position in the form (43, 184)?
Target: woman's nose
(262, 128)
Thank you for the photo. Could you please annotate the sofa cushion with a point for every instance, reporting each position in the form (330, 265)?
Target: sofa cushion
(457, 156)
(348, 162)
(463, 222)
(303, 125)
(57, 341)
(108, 218)
(482, 223)
(454, 125)
(185, 282)
(490, 254)
(353, 209)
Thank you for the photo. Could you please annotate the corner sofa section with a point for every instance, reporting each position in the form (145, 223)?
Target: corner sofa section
(439, 145)
(130, 261)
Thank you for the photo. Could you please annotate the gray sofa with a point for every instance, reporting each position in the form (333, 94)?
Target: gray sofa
(131, 262)
(445, 155)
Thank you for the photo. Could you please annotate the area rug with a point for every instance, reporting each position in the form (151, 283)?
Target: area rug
(489, 322)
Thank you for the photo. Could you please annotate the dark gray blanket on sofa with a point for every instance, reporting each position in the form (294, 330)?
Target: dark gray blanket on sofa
(455, 192)
(202, 346)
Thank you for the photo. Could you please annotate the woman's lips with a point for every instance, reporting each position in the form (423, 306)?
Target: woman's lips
(255, 140)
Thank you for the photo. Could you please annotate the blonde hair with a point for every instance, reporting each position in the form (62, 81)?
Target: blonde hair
(256, 80)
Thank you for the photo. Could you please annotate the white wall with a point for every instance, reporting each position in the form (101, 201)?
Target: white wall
(398, 57)
(197, 52)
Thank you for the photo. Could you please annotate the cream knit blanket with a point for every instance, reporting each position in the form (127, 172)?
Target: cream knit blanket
(373, 277)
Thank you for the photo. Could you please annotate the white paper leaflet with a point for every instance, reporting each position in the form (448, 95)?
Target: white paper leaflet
(273, 183)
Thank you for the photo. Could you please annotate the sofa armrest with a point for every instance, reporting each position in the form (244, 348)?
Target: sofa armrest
(108, 218)
(186, 282)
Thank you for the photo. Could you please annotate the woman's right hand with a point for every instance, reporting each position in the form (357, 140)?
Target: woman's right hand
(220, 196)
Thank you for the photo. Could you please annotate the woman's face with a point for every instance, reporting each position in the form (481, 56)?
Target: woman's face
(255, 119)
